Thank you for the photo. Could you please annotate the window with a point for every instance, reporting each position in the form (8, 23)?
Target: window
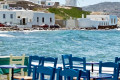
(11, 16)
(114, 21)
(104, 24)
(50, 19)
(111, 21)
(10, 22)
(37, 19)
(18, 16)
(99, 23)
(30, 20)
(43, 19)
(4, 6)
(4, 16)
(103, 19)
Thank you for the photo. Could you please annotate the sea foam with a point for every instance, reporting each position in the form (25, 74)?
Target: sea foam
(6, 35)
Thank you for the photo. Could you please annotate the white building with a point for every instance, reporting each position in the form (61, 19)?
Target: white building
(4, 6)
(98, 21)
(104, 20)
(36, 1)
(39, 1)
(43, 18)
(49, 3)
(26, 18)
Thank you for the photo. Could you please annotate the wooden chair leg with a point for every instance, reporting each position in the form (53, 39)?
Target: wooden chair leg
(10, 71)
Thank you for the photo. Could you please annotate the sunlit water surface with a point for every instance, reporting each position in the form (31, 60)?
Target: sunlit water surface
(94, 45)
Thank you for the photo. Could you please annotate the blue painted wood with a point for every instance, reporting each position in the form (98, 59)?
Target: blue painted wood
(85, 74)
(109, 65)
(30, 65)
(66, 60)
(50, 60)
(117, 60)
(49, 71)
(69, 74)
(75, 63)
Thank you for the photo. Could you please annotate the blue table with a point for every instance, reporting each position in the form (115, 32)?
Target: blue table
(12, 67)
(100, 76)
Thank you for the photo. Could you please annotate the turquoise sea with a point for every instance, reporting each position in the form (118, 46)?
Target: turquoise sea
(96, 45)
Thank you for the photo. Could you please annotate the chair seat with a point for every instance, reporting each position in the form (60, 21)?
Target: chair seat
(24, 77)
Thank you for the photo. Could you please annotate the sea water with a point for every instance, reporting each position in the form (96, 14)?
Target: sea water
(96, 45)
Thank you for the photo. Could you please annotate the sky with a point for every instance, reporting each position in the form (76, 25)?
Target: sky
(81, 3)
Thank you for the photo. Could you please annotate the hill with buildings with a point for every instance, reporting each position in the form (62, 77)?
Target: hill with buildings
(112, 8)
(66, 13)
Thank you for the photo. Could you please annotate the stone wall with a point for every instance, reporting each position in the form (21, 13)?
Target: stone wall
(62, 23)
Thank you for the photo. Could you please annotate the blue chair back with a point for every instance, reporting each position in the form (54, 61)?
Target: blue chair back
(109, 65)
(117, 60)
(36, 59)
(50, 60)
(69, 74)
(78, 63)
(49, 71)
(85, 74)
(66, 61)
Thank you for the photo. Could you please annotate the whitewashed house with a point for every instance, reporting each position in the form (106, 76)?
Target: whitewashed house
(98, 21)
(43, 18)
(4, 6)
(26, 18)
(36, 1)
(49, 3)
(104, 20)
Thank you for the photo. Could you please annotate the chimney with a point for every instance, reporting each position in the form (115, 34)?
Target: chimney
(82, 15)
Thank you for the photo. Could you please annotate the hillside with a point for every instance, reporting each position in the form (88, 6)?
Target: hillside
(109, 7)
(62, 13)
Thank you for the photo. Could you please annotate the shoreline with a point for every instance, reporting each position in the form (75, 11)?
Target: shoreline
(55, 29)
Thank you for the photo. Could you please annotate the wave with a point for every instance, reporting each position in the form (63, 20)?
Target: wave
(118, 29)
(6, 35)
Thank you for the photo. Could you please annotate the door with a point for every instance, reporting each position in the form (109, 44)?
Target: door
(24, 21)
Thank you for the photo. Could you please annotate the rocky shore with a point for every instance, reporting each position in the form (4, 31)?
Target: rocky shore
(30, 29)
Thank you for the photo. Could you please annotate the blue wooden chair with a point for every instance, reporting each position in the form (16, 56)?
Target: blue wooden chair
(109, 65)
(85, 74)
(49, 71)
(78, 63)
(50, 60)
(36, 59)
(70, 74)
(66, 61)
(117, 60)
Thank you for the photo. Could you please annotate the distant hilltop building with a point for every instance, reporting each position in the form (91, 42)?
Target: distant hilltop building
(72, 3)
(10, 1)
(32, 4)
